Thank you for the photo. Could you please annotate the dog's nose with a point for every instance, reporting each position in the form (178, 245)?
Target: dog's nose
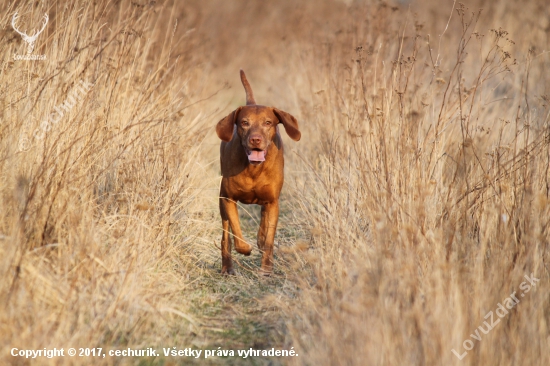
(255, 140)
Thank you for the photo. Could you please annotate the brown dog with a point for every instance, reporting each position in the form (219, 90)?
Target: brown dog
(251, 156)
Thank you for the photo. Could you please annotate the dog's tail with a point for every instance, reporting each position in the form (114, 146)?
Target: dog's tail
(249, 95)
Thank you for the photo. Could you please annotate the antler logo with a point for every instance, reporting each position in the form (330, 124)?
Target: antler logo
(29, 39)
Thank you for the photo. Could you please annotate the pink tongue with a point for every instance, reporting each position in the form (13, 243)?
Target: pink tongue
(256, 156)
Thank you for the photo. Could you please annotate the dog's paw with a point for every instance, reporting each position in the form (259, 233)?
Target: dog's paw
(228, 271)
(265, 272)
(244, 249)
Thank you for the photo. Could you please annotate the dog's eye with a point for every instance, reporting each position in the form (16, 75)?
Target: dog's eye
(268, 123)
(244, 123)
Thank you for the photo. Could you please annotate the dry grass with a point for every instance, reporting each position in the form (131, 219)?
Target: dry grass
(415, 203)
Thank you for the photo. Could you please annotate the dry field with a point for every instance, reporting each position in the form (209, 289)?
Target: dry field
(414, 206)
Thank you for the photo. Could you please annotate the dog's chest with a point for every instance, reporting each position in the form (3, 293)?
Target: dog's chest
(259, 190)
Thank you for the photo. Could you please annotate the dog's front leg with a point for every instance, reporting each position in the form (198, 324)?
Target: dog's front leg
(270, 216)
(227, 262)
(262, 231)
(230, 208)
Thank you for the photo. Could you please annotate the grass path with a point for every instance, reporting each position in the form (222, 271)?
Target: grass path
(236, 312)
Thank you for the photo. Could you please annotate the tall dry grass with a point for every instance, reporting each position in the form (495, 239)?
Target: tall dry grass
(426, 194)
(95, 206)
(416, 201)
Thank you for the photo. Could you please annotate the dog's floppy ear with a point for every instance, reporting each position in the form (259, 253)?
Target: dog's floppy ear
(224, 128)
(290, 123)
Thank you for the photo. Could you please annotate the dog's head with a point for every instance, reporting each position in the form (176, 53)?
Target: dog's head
(256, 126)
